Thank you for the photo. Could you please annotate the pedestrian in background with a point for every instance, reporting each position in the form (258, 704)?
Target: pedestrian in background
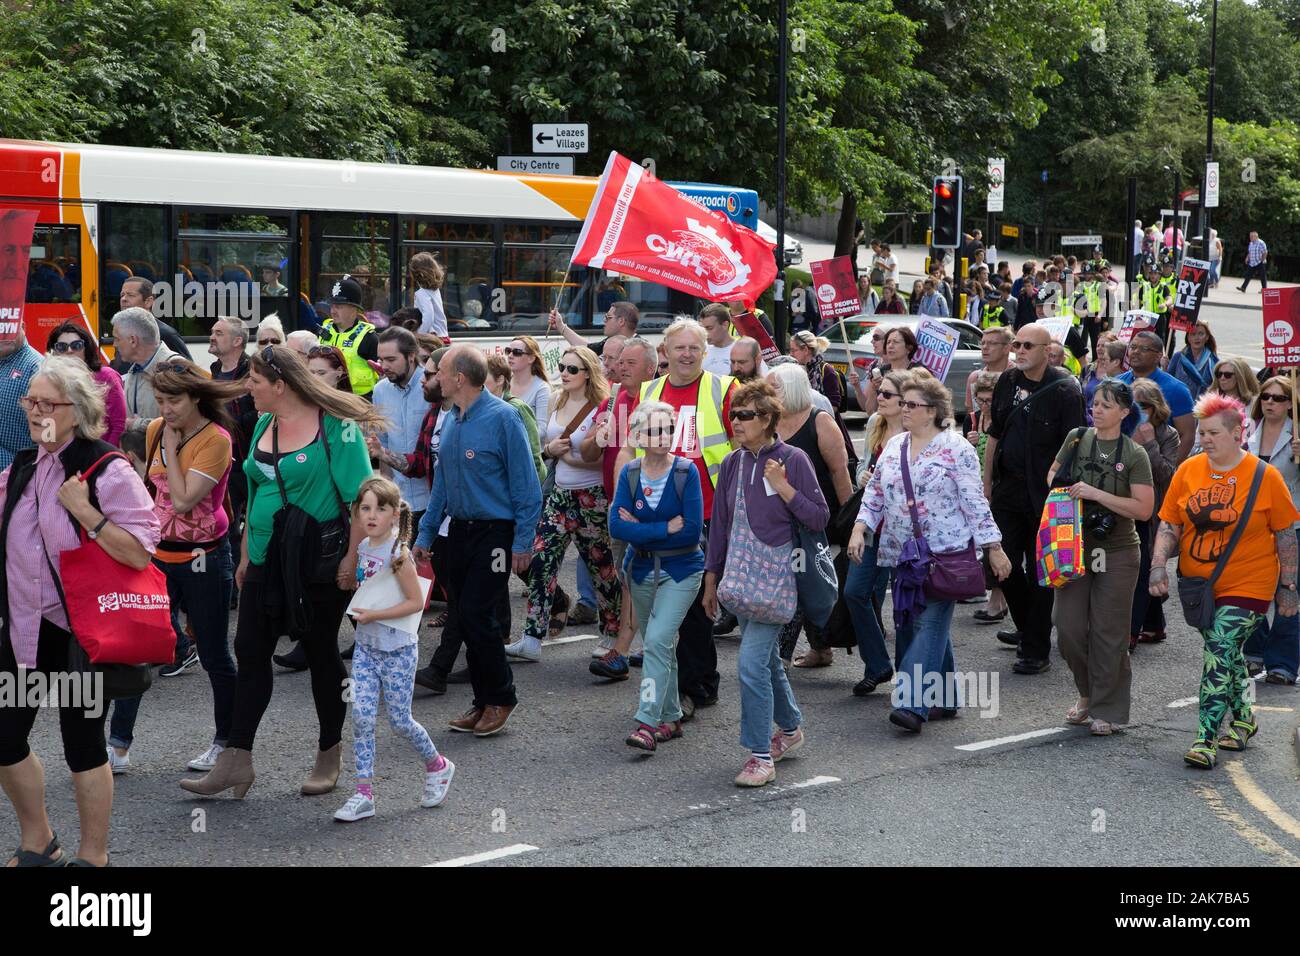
(1160, 441)
(73, 340)
(1256, 262)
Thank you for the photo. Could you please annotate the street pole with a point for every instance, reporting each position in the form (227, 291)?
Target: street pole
(1209, 132)
(780, 322)
(1130, 250)
(1178, 208)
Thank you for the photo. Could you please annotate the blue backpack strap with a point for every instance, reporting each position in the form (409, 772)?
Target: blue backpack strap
(681, 468)
(633, 472)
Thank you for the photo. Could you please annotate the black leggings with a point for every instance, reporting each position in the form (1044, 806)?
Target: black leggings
(255, 638)
(82, 730)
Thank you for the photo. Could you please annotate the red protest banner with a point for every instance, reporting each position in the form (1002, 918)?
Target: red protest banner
(1193, 281)
(1282, 327)
(747, 324)
(837, 293)
(640, 226)
(16, 226)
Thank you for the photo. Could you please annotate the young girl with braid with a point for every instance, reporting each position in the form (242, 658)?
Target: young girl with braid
(386, 657)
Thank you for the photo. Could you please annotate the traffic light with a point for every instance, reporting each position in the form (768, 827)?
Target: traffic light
(945, 219)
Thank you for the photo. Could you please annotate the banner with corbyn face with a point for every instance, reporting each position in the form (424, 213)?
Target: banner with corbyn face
(16, 227)
(640, 226)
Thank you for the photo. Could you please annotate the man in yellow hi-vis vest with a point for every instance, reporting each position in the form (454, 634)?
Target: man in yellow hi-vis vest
(702, 402)
(355, 338)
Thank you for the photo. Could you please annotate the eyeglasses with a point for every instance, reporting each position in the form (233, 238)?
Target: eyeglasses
(913, 406)
(517, 353)
(64, 347)
(1146, 406)
(268, 341)
(1144, 348)
(174, 367)
(743, 414)
(571, 369)
(984, 401)
(1026, 346)
(883, 394)
(41, 405)
(321, 351)
(1226, 373)
(1271, 397)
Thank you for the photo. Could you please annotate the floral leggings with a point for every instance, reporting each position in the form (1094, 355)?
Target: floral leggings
(581, 513)
(1224, 676)
(393, 674)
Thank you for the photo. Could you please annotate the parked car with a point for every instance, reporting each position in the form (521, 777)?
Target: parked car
(964, 361)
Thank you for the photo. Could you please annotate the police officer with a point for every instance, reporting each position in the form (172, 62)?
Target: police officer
(354, 337)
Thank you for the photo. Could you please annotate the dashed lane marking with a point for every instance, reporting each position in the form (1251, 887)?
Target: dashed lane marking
(732, 799)
(513, 850)
(1013, 739)
(1183, 702)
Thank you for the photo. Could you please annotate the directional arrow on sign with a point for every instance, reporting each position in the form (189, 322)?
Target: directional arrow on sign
(543, 138)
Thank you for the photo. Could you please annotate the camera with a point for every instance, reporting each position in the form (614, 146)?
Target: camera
(1099, 522)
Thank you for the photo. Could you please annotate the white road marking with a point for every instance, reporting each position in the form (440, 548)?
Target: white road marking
(513, 850)
(818, 781)
(571, 639)
(1183, 702)
(1013, 739)
(814, 782)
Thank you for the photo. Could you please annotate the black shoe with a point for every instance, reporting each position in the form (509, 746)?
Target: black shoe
(943, 713)
(234, 599)
(1031, 665)
(459, 677)
(431, 679)
(906, 719)
(1009, 637)
(868, 684)
(295, 660)
(635, 660)
(725, 624)
(184, 661)
(982, 616)
(347, 655)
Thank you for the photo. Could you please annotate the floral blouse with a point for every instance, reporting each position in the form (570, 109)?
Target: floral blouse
(950, 499)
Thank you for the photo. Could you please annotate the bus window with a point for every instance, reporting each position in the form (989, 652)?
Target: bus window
(228, 263)
(54, 269)
(658, 305)
(466, 285)
(535, 277)
(359, 246)
(134, 246)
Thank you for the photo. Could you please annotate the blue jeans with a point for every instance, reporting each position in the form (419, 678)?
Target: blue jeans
(928, 662)
(864, 589)
(765, 692)
(659, 612)
(1276, 647)
(206, 597)
(586, 593)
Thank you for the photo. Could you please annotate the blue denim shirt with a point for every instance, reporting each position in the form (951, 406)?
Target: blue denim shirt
(484, 473)
(405, 407)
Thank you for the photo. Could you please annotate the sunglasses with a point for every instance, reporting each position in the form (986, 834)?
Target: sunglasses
(1025, 346)
(884, 394)
(1146, 406)
(1271, 397)
(913, 406)
(571, 369)
(268, 356)
(174, 367)
(657, 433)
(268, 341)
(517, 353)
(743, 414)
(321, 351)
(1143, 348)
(1226, 373)
(65, 347)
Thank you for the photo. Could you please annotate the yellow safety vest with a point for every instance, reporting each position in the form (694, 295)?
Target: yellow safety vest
(710, 431)
(360, 374)
(1164, 293)
(991, 315)
(1146, 296)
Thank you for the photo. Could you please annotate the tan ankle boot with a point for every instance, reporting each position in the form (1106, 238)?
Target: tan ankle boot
(326, 772)
(233, 771)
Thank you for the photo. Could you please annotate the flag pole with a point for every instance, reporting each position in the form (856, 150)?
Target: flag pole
(558, 294)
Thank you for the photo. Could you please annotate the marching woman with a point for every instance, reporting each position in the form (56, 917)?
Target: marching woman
(1201, 521)
(300, 556)
(46, 507)
(72, 339)
(750, 545)
(1111, 475)
(659, 510)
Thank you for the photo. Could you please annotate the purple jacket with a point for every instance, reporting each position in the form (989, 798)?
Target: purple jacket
(769, 516)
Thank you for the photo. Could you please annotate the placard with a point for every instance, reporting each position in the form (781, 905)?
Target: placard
(1281, 327)
(16, 227)
(1193, 282)
(936, 344)
(1136, 320)
(837, 293)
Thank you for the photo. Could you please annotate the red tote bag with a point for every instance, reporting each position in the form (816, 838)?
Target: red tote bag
(118, 615)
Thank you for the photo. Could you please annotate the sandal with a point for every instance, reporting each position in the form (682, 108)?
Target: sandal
(1238, 734)
(1101, 728)
(78, 861)
(816, 659)
(44, 858)
(668, 731)
(1203, 755)
(643, 738)
(1076, 717)
(441, 619)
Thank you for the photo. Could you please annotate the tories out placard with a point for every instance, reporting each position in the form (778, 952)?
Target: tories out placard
(936, 345)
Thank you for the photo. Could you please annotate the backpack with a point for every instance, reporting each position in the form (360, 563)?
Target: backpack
(681, 469)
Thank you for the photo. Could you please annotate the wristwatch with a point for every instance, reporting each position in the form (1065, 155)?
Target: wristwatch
(1288, 587)
(93, 533)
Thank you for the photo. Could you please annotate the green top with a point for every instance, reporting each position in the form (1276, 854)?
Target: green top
(1115, 466)
(307, 480)
(530, 429)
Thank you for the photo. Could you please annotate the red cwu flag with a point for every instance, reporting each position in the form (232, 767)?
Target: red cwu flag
(642, 227)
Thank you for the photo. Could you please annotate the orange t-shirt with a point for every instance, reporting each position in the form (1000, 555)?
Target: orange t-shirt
(1211, 503)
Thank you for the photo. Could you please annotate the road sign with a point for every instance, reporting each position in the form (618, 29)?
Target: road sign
(1081, 240)
(559, 137)
(1211, 185)
(545, 165)
(1011, 232)
(997, 184)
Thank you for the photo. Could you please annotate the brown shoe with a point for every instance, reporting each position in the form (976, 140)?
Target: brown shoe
(325, 774)
(467, 721)
(233, 771)
(822, 658)
(493, 720)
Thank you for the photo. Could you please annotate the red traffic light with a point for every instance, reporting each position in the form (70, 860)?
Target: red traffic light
(943, 191)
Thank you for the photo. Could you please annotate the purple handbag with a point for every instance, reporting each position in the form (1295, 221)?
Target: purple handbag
(952, 575)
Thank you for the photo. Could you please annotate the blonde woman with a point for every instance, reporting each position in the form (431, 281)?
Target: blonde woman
(807, 349)
(1234, 379)
(427, 278)
(574, 508)
(528, 379)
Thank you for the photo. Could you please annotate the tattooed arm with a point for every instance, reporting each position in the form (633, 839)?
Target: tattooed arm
(1286, 555)
(1167, 540)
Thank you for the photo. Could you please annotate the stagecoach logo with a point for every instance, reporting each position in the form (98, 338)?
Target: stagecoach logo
(1279, 332)
(120, 601)
(699, 247)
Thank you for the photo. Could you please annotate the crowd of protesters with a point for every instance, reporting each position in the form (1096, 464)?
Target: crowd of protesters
(313, 480)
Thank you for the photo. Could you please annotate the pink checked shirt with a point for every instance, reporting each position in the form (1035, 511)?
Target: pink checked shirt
(32, 595)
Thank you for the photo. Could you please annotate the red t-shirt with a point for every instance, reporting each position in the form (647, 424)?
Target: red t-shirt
(685, 441)
(626, 403)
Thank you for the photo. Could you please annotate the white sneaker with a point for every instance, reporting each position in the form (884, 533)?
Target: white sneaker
(436, 784)
(603, 647)
(206, 760)
(358, 807)
(525, 649)
(118, 764)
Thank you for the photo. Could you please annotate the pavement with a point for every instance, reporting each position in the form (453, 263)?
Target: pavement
(1005, 783)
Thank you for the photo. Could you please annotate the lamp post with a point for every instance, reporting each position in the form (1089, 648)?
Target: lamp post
(1209, 132)
(780, 322)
